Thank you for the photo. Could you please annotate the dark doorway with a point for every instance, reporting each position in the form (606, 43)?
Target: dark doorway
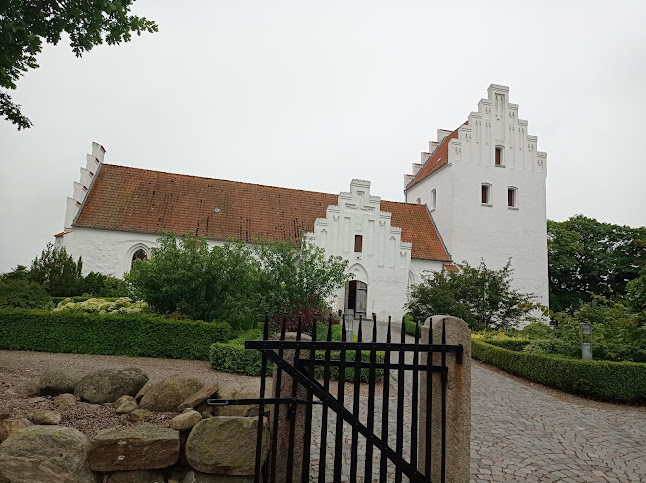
(356, 297)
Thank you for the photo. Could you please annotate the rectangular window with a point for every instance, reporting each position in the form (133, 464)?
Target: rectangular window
(358, 243)
(511, 198)
(485, 194)
(498, 156)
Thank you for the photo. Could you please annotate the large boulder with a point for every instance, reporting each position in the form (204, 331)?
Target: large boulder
(169, 393)
(108, 385)
(58, 381)
(186, 420)
(143, 447)
(247, 389)
(8, 426)
(47, 454)
(137, 476)
(197, 398)
(225, 445)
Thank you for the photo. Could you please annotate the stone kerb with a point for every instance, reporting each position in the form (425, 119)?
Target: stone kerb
(458, 402)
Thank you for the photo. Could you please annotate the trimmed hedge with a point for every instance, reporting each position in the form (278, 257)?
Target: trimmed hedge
(233, 357)
(134, 335)
(511, 343)
(609, 381)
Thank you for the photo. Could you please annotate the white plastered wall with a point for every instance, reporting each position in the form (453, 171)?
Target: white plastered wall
(385, 261)
(494, 233)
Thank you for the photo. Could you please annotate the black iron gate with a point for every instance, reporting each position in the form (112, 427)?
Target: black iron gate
(309, 365)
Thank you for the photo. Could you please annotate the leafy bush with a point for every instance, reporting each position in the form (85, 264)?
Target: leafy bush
(235, 282)
(410, 326)
(23, 294)
(122, 305)
(100, 285)
(482, 297)
(610, 381)
(538, 330)
(134, 335)
(551, 346)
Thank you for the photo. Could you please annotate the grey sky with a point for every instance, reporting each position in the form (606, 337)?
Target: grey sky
(312, 94)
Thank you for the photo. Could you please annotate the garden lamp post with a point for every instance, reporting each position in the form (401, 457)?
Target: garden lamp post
(586, 347)
(349, 322)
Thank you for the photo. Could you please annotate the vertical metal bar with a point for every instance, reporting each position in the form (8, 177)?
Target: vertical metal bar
(355, 408)
(414, 410)
(400, 403)
(261, 404)
(383, 463)
(429, 404)
(276, 410)
(444, 378)
(291, 414)
(338, 439)
(371, 402)
(308, 412)
(324, 410)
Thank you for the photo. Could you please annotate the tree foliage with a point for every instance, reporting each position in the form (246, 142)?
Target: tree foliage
(25, 24)
(57, 272)
(482, 297)
(21, 293)
(236, 283)
(60, 276)
(586, 256)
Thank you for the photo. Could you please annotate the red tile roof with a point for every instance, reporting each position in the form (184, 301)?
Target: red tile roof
(61, 234)
(139, 200)
(439, 158)
(451, 268)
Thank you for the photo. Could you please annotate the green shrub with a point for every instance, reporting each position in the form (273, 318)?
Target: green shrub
(604, 380)
(81, 298)
(23, 294)
(134, 335)
(123, 305)
(538, 330)
(233, 357)
(502, 340)
(551, 346)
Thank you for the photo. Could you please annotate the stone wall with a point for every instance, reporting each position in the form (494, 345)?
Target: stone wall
(201, 443)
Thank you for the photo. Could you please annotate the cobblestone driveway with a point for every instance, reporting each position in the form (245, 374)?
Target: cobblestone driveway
(520, 433)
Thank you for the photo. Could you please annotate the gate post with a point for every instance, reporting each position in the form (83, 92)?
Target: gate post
(458, 403)
(290, 459)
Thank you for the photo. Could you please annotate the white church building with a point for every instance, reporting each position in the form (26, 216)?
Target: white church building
(478, 194)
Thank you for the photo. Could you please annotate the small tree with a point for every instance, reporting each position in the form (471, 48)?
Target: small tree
(57, 272)
(298, 278)
(482, 297)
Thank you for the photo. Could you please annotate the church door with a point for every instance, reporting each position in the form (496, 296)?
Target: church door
(356, 297)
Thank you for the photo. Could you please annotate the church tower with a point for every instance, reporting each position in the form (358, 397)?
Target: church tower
(484, 184)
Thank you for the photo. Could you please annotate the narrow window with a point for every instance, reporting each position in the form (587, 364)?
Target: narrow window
(498, 156)
(486, 194)
(512, 197)
(358, 243)
(138, 255)
(433, 199)
(419, 201)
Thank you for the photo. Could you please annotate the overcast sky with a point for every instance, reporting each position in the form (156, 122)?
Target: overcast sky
(309, 95)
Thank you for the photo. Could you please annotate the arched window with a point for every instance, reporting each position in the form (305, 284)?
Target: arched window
(139, 254)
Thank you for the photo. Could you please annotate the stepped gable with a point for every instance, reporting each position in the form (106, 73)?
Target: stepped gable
(438, 158)
(145, 201)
